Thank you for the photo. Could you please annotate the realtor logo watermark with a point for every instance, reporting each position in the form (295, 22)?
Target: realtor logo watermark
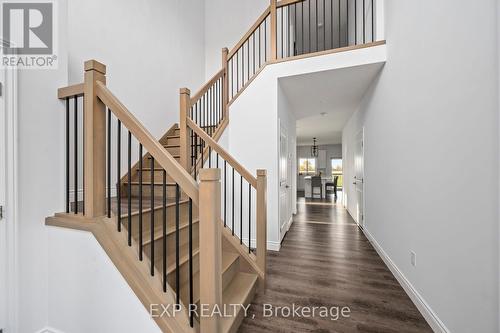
(29, 34)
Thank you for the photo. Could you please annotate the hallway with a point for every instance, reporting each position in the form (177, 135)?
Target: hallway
(325, 260)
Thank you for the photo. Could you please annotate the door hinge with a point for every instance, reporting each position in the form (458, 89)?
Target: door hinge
(1, 217)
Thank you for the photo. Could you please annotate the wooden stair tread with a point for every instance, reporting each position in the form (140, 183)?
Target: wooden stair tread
(183, 259)
(158, 231)
(228, 258)
(173, 155)
(135, 212)
(239, 291)
(149, 183)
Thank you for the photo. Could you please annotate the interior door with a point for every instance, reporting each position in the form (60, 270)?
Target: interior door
(359, 178)
(3, 226)
(283, 214)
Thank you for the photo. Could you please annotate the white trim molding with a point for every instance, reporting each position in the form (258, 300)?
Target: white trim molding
(11, 208)
(430, 316)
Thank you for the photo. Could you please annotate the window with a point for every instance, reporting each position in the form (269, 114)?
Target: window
(336, 164)
(307, 166)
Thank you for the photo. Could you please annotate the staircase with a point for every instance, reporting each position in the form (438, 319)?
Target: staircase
(187, 225)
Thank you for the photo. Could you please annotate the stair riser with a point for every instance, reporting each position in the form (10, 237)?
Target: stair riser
(171, 245)
(174, 150)
(147, 163)
(158, 215)
(146, 176)
(146, 191)
(227, 278)
(184, 272)
(173, 141)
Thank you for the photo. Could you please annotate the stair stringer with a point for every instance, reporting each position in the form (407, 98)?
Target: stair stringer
(148, 289)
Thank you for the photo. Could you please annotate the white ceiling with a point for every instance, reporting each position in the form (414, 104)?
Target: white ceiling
(336, 93)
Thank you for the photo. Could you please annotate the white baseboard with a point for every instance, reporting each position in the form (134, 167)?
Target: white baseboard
(49, 330)
(430, 316)
(271, 246)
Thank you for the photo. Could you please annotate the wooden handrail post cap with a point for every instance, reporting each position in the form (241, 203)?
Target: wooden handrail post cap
(94, 65)
(185, 91)
(209, 175)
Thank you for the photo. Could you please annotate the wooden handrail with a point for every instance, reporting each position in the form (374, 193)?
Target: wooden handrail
(160, 154)
(70, 91)
(242, 41)
(284, 3)
(207, 86)
(223, 153)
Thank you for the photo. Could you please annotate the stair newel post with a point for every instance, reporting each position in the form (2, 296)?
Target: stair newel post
(185, 105)
(262, 223)
(210, 248)
(94, 137)
(225, 90)
(274, 33)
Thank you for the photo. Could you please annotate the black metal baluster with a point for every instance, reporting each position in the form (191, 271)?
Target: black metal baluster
(282, 32)
(232, 209)
(225, 194)
(191, 290)
(164, 232)
(340, 25)
(331, 23)
(364, 25)
(177, 245)
(67, 157)
(260, 56)
(241, 209)
(249, 218)
(118, 173)
(209, 156)
(253, 53)
(237, 71)
(265, 40)
(295, 29)
(109, 164)
(76, 155)
(152, 215)
(302, 26)
(355, 22)
(324, 25)
(373, 23)
(316, 26)
(140, 201)
(309, 23)
(288, 31)
(129, 188)
(243, 65)
(347, 24)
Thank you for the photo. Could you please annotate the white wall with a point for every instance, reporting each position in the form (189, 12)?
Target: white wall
(40, 173)
(152, 48)
(431, 158)
(88, 293)
(226, 21)
(254, 128)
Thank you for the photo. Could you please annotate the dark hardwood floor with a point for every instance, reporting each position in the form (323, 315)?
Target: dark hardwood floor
(325, 260)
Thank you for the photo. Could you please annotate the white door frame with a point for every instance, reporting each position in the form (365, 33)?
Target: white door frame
(282, 214)
(361, 133)
(9, 92)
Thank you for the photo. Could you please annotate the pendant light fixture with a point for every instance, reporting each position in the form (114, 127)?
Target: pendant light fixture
(314, 149)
